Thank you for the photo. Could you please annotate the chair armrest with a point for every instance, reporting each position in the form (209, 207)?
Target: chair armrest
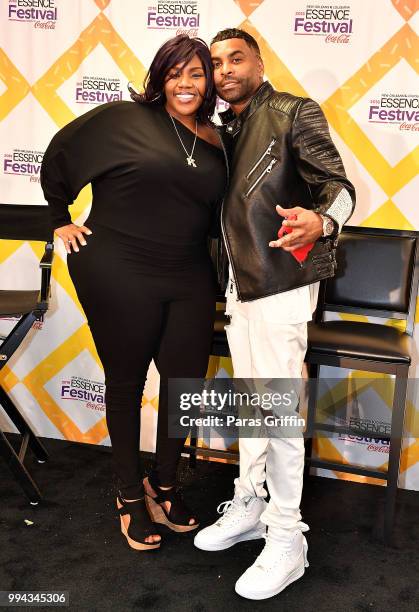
(46, 264)
(46, 261)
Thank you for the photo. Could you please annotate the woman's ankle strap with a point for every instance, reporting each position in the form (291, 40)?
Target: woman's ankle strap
(129, 505)
(162, 494)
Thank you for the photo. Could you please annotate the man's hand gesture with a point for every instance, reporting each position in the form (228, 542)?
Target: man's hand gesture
(306, 228)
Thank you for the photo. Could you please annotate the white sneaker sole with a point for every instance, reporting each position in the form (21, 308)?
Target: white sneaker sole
(241, 537)
(295, 575)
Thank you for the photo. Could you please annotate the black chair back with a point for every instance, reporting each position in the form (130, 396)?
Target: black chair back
(377, 274)
(25, 222)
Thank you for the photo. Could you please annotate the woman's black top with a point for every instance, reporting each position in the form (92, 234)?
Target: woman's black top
(142, 185)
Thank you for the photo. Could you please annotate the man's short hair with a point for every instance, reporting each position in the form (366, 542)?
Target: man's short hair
(236, 33)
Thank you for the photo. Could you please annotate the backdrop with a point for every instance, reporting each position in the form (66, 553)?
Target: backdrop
(59, 58)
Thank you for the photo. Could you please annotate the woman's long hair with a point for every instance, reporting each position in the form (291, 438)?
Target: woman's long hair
(178, 50)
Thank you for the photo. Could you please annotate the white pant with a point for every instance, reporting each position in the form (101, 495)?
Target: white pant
(267, 349)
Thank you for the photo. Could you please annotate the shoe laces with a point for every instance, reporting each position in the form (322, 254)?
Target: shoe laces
(231, 511)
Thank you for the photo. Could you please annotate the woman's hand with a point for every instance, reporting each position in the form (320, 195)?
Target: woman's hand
(69, 234)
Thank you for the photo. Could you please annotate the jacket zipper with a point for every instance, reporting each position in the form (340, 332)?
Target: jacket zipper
(260, 177)
(254, 167)
(230, 259)
(261, 158)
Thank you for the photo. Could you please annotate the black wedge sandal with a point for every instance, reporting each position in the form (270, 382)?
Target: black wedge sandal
(140, 525)
(179, 514)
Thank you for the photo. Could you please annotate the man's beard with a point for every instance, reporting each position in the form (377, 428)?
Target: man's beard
(244, 92)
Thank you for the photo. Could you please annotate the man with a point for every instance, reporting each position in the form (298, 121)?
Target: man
(284, 165)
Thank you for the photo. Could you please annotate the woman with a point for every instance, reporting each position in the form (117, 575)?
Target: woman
(158, 173)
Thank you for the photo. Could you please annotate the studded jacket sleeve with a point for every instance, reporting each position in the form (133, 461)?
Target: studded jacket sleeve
(320, 164)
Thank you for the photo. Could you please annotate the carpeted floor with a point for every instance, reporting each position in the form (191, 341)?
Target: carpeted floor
(75, 544)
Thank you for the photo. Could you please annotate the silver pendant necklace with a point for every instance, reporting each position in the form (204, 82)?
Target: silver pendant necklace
(189, 156)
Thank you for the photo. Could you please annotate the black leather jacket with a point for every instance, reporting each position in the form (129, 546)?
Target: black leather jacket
(283, 154)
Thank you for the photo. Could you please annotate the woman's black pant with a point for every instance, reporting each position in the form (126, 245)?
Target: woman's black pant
(144, 303)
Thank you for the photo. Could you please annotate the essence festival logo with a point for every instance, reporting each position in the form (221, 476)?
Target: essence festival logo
(89, 392)
(97, 90)
(395, 109)
(23, 162)
(375, 443)
(41, 13)
(180, 16)
(333, 22)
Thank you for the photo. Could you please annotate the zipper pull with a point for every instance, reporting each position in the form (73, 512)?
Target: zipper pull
(269, 149)
(271, 164)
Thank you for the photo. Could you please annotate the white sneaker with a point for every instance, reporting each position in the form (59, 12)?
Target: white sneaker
(282, 561)
(239, 522)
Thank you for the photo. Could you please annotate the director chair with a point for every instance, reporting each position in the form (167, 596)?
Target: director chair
(21, 222)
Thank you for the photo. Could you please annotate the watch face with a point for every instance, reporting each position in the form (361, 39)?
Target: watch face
(328, 226)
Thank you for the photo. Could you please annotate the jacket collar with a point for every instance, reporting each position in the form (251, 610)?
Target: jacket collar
(233, 123)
